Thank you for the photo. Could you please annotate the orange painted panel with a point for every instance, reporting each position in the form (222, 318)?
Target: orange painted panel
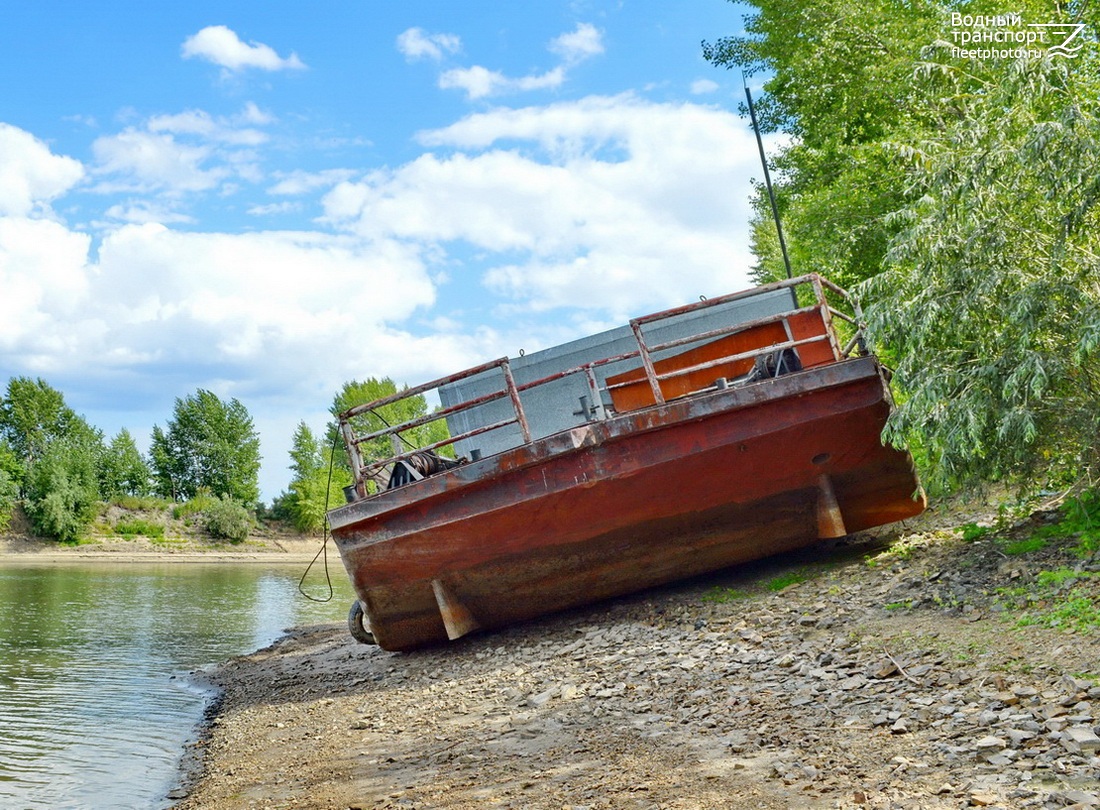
(806, 325)
(637, 393)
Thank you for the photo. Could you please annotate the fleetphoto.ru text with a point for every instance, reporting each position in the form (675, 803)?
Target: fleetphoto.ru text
(1007, 36)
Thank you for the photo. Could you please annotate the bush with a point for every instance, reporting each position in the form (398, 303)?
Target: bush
(9, 492)
(201, 503)
(135, 503)
(61, 493)
(228, 519)
(972, 532)
(136, 527)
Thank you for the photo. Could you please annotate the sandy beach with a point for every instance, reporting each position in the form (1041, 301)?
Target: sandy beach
(293, 549)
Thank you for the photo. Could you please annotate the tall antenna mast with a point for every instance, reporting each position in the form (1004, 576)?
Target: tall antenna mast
(768, 182)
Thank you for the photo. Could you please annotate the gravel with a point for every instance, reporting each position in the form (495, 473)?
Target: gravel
(894, 675)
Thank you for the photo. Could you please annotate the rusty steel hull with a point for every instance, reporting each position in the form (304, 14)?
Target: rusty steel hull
(647, 497)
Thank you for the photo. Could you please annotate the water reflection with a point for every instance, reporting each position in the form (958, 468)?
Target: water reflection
(92, 707)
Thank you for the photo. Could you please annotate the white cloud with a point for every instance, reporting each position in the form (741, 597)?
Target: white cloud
(274, 209)
(479, 82)
(416, 43)
(253, 292)
(300, 182)
(30, 174)
(140, 212)
(576, 46)
(43, 276)
(271, 310)
(182, 153)
(252, 114)
(147, 161)
(201, 123)
(701, 87)
(614, 204)
(222, 46)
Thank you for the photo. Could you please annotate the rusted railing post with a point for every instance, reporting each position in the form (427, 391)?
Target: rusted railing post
(355, 458)
(510, 383)
(826, 316)
(594, 391)
(647, 363)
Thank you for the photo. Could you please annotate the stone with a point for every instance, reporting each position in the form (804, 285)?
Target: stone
(1079, 798)
(1079, 739)
(982, 799)
(990, 744)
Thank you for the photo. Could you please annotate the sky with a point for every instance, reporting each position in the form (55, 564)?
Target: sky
(269, 199)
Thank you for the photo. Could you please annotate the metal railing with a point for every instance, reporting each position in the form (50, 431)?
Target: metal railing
(818, 301)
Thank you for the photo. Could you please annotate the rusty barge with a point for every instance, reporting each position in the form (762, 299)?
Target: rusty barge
(693, 439)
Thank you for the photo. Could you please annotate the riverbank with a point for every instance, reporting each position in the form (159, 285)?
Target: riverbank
(919, 670)
(20, 548)
(154, 532)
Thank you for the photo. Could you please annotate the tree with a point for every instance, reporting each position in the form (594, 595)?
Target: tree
(123, 470)
(960, 194)
(208, 444)
(991, 301)
(62, 491)
(10, 463)
(10, 474)
(33, 414)
(316, 484)
(840, 86)
(358, 392)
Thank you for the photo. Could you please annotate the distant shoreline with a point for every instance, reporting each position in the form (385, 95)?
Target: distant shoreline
(16, 549)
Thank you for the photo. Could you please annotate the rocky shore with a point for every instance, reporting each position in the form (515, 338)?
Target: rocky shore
(874, 673)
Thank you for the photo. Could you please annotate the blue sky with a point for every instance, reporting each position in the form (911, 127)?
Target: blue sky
(268, 199)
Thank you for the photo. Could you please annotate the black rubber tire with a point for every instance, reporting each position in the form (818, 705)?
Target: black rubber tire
(357, 626)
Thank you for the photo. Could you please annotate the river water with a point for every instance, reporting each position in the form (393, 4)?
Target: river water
(96, 705)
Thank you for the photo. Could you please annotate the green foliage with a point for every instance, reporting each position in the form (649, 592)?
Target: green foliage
(1059, 577)
(721, 596)
(1063, 598)
(208, 444)
(317, 481)
(9, 493)
(136, 503)
(280, 508)
(1025, 546)
(139, 527)
(228, 519)
(359, 392)
(905, 604)
(122, 469)
(972, 531)
(196, 505)
(11, 466)
(990, 302)
(786, 580)
(1077, 611)
(1082, 518)
(33, 414)
(61, 491)
(1080, 521)
(840, 82)
(962, 192)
